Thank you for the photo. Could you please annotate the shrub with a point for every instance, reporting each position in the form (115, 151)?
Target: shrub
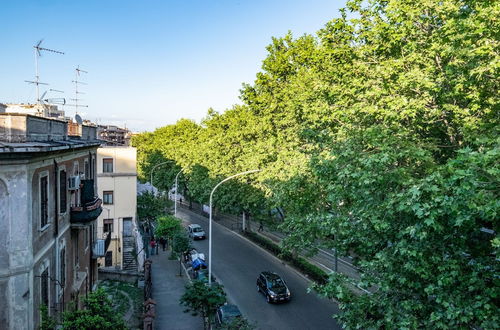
(314, 272)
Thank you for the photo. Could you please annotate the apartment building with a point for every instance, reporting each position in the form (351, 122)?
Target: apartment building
(114, 135)
(42, 110)
(48, 208)
(117, 182)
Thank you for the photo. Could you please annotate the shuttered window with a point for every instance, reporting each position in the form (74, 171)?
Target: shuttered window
(62, 192)
(44, 201)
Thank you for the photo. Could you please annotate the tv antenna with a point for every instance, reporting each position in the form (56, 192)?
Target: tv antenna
(38, 53)
(45, 102)
(77, 82)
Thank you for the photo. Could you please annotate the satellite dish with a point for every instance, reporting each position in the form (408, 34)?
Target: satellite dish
(78, 119)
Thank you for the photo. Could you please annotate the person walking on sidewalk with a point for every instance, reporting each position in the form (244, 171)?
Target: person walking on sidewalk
(261, 227)
(163, 243)
(152, 244)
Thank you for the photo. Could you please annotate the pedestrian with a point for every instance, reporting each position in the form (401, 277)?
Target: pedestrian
(261, 227)
(152, 244)
(163, 243)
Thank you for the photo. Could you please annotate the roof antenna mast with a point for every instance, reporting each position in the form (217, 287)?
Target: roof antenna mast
(77, 82)
(37, 82)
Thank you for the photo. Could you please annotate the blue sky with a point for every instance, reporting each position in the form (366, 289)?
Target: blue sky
(150, 63)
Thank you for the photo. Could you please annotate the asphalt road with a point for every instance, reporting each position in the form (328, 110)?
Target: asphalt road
(237, 264)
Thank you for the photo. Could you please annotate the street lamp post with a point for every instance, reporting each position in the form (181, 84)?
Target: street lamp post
(210, 222)
(151, 181)
(175, 200)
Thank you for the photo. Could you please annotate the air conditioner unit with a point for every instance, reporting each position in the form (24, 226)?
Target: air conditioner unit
(73, 183)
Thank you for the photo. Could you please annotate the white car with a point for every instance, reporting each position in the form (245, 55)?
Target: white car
(196, 232)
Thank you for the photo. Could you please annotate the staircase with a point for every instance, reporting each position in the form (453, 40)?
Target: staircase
(129, 258)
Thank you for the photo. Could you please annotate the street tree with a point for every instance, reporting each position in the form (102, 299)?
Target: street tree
(180, 244)
(151, 206)
(377, 137)
(167, 226)
(201, 299)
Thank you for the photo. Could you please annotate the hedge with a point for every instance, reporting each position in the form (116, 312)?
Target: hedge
(314, 272)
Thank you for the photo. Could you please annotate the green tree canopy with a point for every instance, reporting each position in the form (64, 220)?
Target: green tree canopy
(378, 137)
(97, 314)
(201, 299)
(151, 206)
(167, 226)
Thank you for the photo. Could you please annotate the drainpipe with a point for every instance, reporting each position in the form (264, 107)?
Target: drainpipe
(91, 265)
(56, 198)
(56, 226)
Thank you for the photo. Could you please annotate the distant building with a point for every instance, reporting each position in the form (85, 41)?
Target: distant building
(117, 182)
(48, 208)
(114, 135)
(41, 110)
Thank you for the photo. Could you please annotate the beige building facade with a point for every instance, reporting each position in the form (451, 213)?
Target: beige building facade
(117, 182)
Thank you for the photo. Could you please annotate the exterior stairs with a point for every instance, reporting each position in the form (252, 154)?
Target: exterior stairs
(129, 258)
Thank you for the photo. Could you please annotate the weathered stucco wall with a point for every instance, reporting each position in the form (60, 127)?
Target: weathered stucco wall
(15, 244)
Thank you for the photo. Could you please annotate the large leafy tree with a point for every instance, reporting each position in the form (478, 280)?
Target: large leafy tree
(378, 137)
(151, 206)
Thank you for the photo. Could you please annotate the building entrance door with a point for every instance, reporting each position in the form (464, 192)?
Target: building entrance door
(127, 227)
(108, 260)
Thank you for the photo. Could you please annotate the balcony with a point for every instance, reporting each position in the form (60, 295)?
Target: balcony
(89, 207)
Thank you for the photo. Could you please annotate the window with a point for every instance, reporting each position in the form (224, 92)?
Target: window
(93, 166)
(76, 250)
(107, 165)
(76, 168)
(87, 169)
(86, 237)
(108, 259)
(63, 267)
(44, 287)
(107, 197)
(63, 203)
(44, 201)
(108, 226)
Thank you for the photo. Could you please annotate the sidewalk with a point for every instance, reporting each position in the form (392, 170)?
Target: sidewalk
(168, 288)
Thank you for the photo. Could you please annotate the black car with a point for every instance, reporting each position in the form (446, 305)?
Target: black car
(273, 287)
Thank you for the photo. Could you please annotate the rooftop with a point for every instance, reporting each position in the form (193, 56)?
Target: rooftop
(24, 133)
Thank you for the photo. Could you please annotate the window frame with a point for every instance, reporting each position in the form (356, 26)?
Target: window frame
(63, 191)
(44, 206)
(45, 288)
(108, 193)
(108, 223)
(86, 169)
(62, 266)
(76, 251)
(106, 162)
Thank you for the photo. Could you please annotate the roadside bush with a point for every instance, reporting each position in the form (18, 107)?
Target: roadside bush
(314, 272)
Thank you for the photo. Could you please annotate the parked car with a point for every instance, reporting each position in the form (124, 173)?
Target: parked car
(227, 314)
(196, 232)
(273, 287)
